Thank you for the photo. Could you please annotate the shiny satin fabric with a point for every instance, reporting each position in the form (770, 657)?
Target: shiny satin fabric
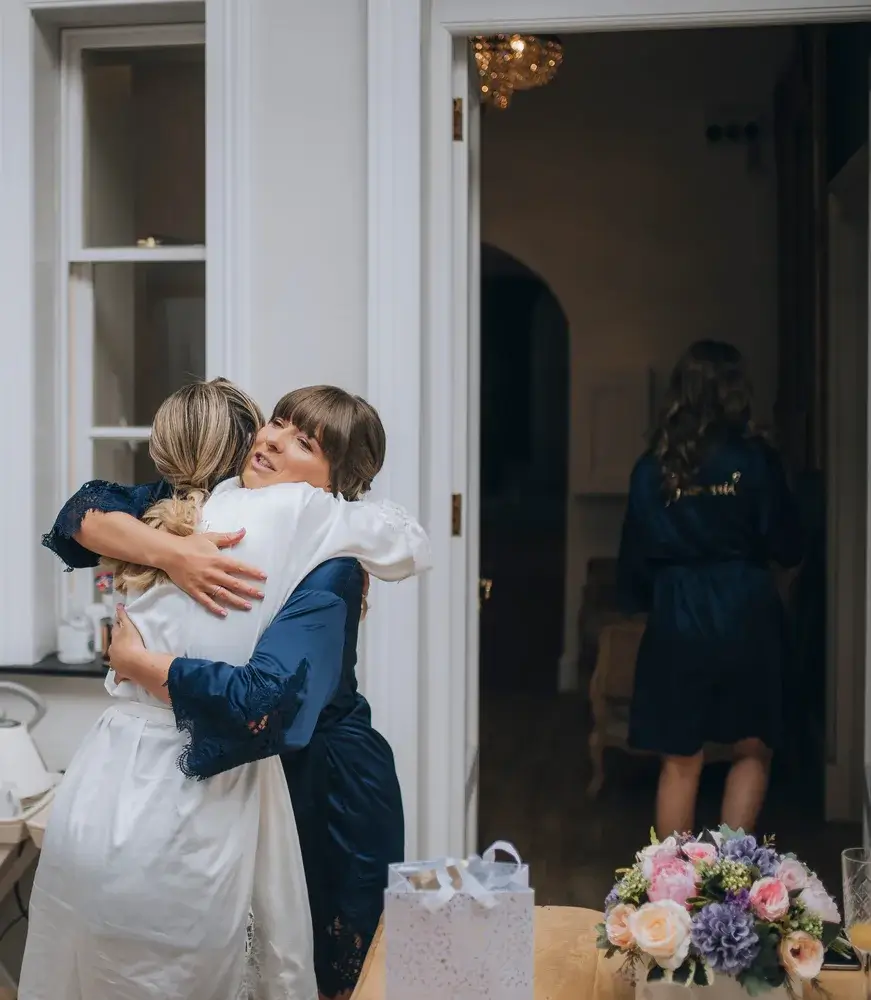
(711, 663)
(147, 879)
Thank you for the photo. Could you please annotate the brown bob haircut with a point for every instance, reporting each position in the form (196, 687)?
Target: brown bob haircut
(347, 428)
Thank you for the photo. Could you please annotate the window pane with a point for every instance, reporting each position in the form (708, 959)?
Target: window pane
(150, 337)
(145, 146)
(123, 462)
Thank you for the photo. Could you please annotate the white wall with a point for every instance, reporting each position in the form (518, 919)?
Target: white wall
(603, 183)
(309, 196)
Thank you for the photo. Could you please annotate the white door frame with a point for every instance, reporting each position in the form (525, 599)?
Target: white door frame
(29, 426)
(410, 342)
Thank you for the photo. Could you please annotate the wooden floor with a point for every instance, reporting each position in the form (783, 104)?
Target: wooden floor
(534, 772)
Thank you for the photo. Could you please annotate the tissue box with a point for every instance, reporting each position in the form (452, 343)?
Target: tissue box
(460, 929)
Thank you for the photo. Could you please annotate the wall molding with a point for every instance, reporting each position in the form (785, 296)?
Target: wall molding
(229, 179)
(392, 650)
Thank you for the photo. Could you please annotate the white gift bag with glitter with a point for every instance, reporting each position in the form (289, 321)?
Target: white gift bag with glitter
(460, 929)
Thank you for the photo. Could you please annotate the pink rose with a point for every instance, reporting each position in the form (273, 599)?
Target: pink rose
(801, 955)
(769, 899)
(700, 853)
(819, 903)
(792, 873)
(617, 925)
(672, 879)
(656, 854)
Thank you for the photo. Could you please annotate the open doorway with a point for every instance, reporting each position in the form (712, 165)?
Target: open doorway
(668, 186)
(524, 475)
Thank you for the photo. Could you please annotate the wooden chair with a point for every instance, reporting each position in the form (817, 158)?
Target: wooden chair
(611, 694)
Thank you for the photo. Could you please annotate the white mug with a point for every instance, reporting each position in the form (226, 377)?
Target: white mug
(74, 641)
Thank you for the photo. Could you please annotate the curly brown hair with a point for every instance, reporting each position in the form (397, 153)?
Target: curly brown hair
(709, 397)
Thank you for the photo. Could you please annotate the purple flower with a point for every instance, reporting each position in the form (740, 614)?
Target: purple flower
(747, 851)
(725, 937)
(741, 899)
(612, 899)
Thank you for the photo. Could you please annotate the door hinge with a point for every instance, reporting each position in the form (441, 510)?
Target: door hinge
(458, 119)
(457, 514)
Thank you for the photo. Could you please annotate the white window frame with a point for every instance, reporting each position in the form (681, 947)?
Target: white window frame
(75, 374)
(33, 429)
(411, 344)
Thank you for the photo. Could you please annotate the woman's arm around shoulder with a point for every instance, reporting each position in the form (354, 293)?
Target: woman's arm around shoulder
(71, 536)
(237, 714)
(102, 519)
(387, 540)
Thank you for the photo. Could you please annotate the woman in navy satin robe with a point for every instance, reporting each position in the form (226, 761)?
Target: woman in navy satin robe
(709, 511)
(339, 769)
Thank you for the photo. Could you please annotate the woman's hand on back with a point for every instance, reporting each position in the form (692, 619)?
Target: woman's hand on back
(199, 568)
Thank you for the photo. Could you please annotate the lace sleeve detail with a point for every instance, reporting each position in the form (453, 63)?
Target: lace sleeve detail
(235, 715)
(271, 707)
(97, 495)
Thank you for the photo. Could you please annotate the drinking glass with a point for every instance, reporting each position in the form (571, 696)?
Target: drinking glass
(856, 871)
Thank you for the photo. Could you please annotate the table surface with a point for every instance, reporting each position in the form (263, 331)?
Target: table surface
(569, 967)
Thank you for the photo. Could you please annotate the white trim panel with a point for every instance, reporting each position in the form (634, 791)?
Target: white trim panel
(392, 633)
(229, 108)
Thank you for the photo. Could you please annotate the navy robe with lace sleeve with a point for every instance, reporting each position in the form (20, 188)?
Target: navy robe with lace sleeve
(711, 663)
(296, 696)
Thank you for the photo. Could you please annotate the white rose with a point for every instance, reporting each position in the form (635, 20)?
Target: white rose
(662, 931)
(792, 873)
(818, 902)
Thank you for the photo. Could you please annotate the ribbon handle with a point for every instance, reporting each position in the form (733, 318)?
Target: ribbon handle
(502, 845)
(474, 877)
(495, 881)
(433, 901)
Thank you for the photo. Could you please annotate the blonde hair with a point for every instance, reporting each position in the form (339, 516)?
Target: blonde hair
(201, 435)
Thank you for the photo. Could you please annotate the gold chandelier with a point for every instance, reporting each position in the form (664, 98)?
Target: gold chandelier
(507, 63)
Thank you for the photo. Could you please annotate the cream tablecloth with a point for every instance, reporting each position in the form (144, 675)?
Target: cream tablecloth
(568, 966)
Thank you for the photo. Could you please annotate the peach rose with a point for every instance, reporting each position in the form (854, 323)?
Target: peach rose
(802, 955)
(769, 899)
(662, 930)
(792, 873)
(617, 925)
(700, 852)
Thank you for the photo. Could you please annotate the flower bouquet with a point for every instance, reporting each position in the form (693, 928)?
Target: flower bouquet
(691, 909)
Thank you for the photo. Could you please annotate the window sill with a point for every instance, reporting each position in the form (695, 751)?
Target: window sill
(51, 666)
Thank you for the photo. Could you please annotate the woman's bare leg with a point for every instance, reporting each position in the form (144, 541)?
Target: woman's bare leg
(676, 794)
(746, 784)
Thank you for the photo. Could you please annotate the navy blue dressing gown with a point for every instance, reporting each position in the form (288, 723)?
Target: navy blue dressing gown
(340, 771)
(711, 662)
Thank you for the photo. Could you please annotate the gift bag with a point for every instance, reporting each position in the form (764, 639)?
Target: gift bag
(460, 930)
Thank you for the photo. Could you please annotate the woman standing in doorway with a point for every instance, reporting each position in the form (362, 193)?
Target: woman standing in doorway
(709, 512)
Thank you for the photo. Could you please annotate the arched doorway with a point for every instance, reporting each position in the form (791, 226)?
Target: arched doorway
(524, 475)
(525, 377)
